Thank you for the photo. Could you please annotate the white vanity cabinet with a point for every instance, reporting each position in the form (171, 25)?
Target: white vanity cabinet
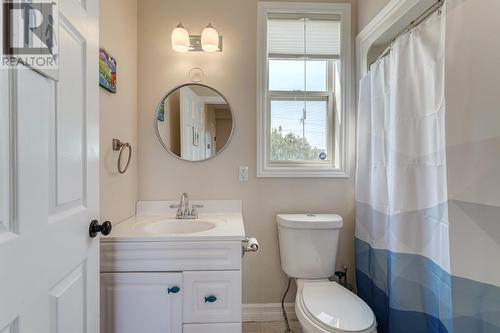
(164, 275)
(141, 302)
(171, 287)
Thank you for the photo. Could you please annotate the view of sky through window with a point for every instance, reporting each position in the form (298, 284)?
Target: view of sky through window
(288, 75)
(300, 115)
(287, 117)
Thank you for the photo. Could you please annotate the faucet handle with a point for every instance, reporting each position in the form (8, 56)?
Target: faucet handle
(179, 209)
(194, 208)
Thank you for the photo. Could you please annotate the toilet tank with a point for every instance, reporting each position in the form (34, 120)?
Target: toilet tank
(308, 244)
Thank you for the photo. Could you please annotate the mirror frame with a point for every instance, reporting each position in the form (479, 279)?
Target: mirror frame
(156, 120)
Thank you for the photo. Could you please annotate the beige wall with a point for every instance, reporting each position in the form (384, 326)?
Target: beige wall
(233, 72)
(118, 35)
(367, 10)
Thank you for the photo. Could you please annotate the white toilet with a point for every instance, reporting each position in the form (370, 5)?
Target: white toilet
(308, 248)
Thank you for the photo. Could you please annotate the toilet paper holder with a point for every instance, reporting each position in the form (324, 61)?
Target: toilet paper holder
(250, 244)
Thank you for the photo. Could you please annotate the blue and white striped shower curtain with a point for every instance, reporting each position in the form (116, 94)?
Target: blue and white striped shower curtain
(402, 242)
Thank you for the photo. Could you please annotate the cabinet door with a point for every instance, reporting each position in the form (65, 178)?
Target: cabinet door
(212, 297)
(141, 302)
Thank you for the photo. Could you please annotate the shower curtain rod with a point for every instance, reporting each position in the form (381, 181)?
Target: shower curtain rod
(431, 10)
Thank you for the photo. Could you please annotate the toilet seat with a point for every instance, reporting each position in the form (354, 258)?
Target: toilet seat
(328, 307)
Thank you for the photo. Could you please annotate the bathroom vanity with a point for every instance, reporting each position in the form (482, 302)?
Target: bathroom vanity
(162, 274)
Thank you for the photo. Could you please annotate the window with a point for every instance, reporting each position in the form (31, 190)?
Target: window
(303, 79)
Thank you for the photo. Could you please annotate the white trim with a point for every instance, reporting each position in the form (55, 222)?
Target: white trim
(267, 312)
(264, 168)
(8, 152)
(6, 195)
(391, 20)
(213, 100)
(5, 156)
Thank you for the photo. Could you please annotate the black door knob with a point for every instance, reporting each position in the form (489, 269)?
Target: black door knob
(96, 228)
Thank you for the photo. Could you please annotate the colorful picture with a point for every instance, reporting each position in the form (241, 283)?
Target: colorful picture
(107, 71)
(161, 112)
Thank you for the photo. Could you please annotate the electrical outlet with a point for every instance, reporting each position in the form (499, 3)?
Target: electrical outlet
(243, 173)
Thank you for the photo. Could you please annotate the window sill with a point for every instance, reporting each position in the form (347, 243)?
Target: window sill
(301, 172)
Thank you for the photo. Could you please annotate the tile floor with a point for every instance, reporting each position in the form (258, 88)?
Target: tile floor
(270, 327)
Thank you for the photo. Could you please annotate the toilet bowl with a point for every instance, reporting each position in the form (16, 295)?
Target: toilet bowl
(308, 252)
(323, 306)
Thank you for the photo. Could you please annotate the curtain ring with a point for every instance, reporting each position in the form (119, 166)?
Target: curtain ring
(118, 145)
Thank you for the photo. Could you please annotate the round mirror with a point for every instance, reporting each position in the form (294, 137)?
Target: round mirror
(194, 122)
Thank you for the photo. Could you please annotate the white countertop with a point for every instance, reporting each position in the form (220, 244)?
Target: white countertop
(225, 214)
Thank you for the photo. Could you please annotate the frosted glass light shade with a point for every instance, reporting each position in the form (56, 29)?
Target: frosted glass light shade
(209, 39)
(180, 39)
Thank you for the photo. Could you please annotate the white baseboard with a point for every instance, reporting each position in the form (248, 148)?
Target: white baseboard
(267, 312)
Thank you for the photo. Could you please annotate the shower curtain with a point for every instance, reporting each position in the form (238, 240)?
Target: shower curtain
(402, 245)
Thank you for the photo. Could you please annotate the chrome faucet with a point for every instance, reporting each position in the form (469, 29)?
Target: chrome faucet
(185, 201)
(183, 210)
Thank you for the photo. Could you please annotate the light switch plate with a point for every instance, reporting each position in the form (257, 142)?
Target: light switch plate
(243, 173)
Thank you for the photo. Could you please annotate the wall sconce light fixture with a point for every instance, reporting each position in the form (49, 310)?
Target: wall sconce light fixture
(180, 39)
(209, 41)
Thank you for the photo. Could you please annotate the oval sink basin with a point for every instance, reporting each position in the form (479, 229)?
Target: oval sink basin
(176, 226)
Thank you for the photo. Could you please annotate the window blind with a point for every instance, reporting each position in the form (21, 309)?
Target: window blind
(291, 37)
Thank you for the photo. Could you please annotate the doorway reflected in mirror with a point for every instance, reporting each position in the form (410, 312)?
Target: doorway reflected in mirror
(194, 122)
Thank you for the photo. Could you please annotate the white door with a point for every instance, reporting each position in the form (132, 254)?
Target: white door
(192, 125)
(49, 164)
(141, 302)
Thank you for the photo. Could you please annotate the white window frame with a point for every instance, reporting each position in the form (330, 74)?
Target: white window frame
(340, 120)
(310, 95)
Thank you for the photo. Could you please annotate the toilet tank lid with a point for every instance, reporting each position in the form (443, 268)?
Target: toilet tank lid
(310, 221)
